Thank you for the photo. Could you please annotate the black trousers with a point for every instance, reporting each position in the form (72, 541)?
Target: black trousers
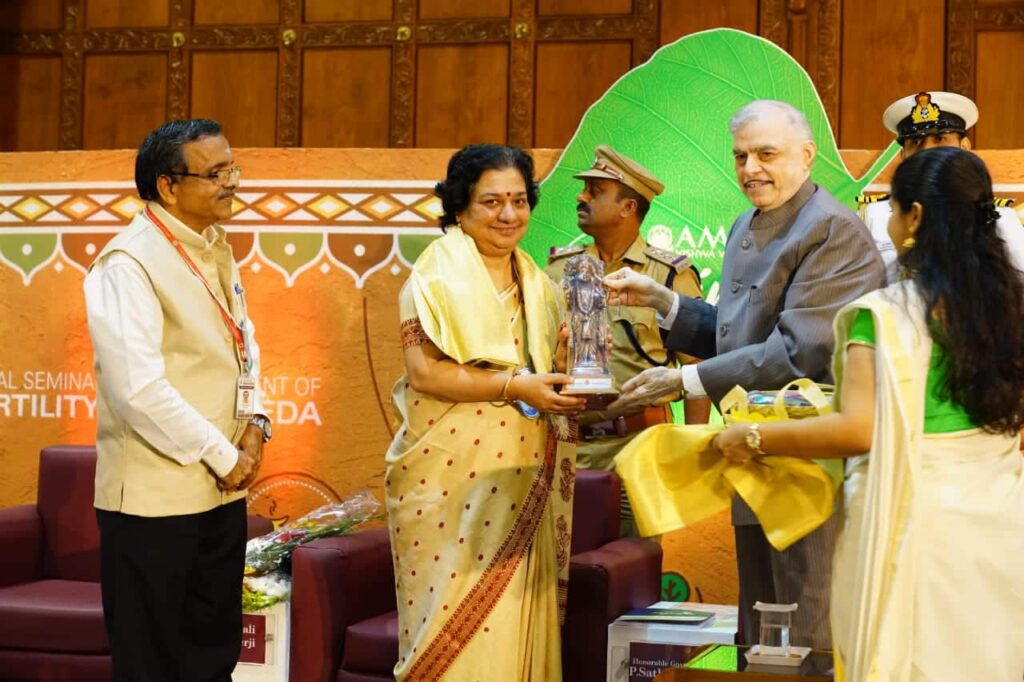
(172, 593)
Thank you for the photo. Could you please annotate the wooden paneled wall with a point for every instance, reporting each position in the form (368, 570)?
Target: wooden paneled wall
(441, 73)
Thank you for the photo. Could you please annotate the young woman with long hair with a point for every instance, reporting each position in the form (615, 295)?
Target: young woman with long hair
(927, 574)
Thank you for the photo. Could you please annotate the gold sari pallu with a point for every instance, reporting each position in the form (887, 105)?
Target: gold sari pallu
(674, 479)
(463, 315)
(479, 497)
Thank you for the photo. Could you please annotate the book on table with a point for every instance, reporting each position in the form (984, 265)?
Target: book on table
(639, 649)
(660, 613)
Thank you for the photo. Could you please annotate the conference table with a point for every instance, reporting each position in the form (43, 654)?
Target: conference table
(725, 663)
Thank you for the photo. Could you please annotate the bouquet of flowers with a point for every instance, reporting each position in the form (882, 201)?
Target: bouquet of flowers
(263, 591)
(268, 557)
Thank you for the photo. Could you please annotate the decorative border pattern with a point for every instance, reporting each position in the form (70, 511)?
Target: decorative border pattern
(962, 47)
(563, 542)
(773, 21)
(645, 30)
(586, 28)
(126, 40)
(291, 226)
(289, 76)
(71, 99)
(811, 32)
(179, 76)
(413, 334)
(829, 56)
(521, 71)
(403, 75)
(999, 17)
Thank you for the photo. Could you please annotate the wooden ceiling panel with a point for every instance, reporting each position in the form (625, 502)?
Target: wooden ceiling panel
(909, 42)
(30, 113)
(346, 97)
(238, 89)
(679, 19)
(463, 9)
(584, 7)
(570, 77)
(461, 95)
(125, 97)
(235, 11)
(1000, 120)
(31, 15)
(347, 10)
(126, 13)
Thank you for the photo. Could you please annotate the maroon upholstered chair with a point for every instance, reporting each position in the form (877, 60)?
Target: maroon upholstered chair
(344, 623)
(51, 615)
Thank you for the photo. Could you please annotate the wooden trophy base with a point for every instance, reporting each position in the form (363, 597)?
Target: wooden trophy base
(599, 392)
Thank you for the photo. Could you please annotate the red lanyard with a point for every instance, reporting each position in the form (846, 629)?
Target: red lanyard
(236, 331)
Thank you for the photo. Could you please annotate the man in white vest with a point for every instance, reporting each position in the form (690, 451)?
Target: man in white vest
(922, 121)
(180, 428)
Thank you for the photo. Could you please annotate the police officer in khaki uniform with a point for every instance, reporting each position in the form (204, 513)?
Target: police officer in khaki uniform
(616, 196)
(923, 121)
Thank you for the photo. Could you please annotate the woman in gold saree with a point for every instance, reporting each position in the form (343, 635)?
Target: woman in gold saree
(478, 484)
(927, 581)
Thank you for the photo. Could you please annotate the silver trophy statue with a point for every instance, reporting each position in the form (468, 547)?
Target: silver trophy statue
(586, 300)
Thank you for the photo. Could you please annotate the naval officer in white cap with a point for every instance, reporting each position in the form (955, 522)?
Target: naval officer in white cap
(922, 121)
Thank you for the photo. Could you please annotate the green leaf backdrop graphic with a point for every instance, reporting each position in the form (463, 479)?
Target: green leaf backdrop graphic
(671, 114)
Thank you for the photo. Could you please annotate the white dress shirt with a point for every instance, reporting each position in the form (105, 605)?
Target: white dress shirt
(692, 386)
(126, 325)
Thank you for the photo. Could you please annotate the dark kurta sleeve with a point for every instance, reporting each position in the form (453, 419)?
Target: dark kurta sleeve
(693, 330)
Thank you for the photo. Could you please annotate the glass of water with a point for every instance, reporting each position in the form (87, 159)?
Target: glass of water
(776, 620)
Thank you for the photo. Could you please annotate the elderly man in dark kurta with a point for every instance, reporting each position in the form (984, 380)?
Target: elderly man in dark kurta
(791, 262)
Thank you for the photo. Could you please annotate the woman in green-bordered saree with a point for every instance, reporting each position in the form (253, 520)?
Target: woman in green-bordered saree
(927, 581)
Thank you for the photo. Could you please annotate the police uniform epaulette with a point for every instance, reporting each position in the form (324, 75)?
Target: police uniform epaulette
(1005, 202)
(677, 262)
(863, 199)
(555, 253)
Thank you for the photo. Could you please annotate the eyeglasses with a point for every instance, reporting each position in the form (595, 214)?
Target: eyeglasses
(221, 177)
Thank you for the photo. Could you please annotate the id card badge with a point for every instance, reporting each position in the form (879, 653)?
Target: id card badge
(245, 400)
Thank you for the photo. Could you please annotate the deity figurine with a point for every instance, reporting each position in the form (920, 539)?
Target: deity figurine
(586, 300)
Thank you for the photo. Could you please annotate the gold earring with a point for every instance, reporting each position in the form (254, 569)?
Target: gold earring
(909, 242)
